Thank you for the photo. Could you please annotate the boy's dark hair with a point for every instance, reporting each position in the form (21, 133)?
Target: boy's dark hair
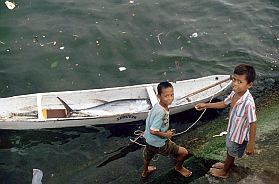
(247, 70)
(163, 85)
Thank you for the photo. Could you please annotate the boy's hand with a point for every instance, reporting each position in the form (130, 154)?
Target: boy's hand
(169, 134)
(200, 106)
(250, 149)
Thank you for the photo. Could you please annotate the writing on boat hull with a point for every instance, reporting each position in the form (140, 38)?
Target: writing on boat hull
(128, 116)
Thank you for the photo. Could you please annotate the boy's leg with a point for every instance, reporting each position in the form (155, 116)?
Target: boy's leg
(181, 156)
(223, 172)
(147, 169)
(233, 150)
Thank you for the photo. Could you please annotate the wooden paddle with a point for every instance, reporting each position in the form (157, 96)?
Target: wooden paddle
(203, 89)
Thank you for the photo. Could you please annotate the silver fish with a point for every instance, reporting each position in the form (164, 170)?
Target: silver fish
(115, 107)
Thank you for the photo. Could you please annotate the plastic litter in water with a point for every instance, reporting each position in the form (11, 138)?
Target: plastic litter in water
(194, 35)
(122, 68)
(37, 176)
(10, 5)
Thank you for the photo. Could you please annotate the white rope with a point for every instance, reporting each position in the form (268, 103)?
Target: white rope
(139, 134)
(194, 122)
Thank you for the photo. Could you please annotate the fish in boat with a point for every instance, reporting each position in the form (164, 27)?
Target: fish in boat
(111, 108)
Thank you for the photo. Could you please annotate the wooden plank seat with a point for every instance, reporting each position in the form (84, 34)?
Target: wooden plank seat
(152, 95)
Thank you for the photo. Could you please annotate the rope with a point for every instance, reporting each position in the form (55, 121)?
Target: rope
(195, 121)
(139, 133)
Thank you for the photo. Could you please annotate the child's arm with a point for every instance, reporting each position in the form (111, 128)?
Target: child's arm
(167, 134)
(251, 144)
(217, 105)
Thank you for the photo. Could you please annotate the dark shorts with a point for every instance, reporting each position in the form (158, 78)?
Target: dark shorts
(234, 149)
(170, 148)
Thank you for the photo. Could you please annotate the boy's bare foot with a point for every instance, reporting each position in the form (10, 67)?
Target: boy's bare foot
(184, 172)
(218, 165)
(150, 170)
(219, 173)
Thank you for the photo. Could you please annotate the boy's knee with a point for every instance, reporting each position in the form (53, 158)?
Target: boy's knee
(183, 151)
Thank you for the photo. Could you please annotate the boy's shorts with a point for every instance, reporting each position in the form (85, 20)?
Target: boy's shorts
(234, 149)
(170, 148)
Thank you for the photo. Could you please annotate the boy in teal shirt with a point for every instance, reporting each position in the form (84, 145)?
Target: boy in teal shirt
(157, 133)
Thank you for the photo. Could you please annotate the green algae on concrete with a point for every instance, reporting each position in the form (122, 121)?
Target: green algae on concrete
(198, 166)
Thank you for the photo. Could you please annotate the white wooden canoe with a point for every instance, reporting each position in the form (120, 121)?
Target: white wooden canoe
(106, 106)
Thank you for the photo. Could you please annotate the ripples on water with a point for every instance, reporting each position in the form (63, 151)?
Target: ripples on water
(68, 45)
(81, 45)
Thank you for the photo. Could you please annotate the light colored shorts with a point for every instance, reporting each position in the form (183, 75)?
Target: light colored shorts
(234, 149)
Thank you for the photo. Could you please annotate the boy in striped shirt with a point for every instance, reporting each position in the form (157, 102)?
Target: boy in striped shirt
(241, 129)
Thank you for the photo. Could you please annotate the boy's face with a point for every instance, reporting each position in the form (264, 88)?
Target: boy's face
(166, 96)
(240, 83)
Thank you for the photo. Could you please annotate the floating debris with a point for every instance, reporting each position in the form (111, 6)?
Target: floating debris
(97, 43)
(75, 36)
(61, 48)
(122, 68)
(67, 57)
(35, 39)
(2, 42)
(158, 36)
(131, 2)
(37, 176)
(53, 43)
(10, 5)
(194, 35)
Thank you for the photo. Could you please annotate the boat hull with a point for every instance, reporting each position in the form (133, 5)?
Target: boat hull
(26, 111)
